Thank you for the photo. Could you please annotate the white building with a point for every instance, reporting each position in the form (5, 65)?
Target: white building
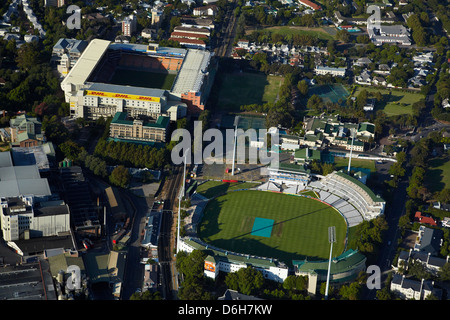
(389, 34)
(337, 72)
(412, 289)
(230, 262)
(22, 219)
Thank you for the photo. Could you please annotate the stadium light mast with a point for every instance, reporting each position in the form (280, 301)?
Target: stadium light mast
(331, 240)
(351, 151)
(179, 200)
(236, 121)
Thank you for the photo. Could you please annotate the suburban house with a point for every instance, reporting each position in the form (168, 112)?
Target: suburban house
(413, 289)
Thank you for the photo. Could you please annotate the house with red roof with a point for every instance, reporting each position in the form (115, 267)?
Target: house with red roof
(310, 4)
(419, 217)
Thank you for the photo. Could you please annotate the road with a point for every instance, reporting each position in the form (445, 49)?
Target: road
(388, 249)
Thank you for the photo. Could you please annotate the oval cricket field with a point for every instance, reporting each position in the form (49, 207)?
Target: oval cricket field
(273, 225)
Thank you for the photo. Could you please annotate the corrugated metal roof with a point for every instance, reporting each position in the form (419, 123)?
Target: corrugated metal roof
(191, 75)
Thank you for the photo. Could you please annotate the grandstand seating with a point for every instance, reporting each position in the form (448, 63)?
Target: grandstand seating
(348, 197)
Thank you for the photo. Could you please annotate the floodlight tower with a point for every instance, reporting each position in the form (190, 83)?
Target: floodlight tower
(331, 240)
(351, 151)
(236, 121)
(179, 201)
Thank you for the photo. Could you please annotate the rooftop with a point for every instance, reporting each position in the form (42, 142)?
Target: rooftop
(86, 63)
(121, 118)
(191, 75)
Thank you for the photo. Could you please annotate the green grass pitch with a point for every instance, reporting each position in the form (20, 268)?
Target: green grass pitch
(144, 79)
(300, 226)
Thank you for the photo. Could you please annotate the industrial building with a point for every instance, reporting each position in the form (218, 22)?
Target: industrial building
(93, 90)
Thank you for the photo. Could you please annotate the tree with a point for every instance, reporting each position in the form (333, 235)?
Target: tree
(302, 86)
(245, 280)
(120, 176)
(343, 35)
(70, 149)
(444, 273)
(350, 292)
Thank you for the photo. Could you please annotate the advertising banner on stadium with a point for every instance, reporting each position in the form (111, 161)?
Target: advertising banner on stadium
(121, 96)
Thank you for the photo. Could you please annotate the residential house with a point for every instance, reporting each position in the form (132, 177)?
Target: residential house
(210, 10)
(413, 289)
(379, 81)
(432, 263)
(429, 241)
(421, 218)
(364, 78)
(310, 4)
(362, 62)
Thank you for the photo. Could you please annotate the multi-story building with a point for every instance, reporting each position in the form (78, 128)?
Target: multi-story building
(337, 72)
(22, 219)
(122, 127)
(66, 53)
(26, 131)
(413, 289)
(129, 25)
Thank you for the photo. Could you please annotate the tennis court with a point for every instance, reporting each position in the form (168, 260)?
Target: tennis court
(330, 93)
(249, 122)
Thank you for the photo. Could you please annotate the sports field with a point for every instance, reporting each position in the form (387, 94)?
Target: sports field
(144, 79)
(438, 174)
(321, 33)
(394, 102)
(270, 224)
(245, 88)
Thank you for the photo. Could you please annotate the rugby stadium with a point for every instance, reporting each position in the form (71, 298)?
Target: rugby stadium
(280, 226)
(141, 80)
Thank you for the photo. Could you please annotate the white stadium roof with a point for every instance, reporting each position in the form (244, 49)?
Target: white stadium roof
(86, 63)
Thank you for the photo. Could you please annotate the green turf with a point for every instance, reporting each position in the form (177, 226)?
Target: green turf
(394, 102)
(320, 33)
(143, 79)
(438, 173)
(209, 189)
(300, 227)
(342, 163)
(247, 88)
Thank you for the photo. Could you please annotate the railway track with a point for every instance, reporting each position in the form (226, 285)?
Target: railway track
(228, 36)
(166, 234)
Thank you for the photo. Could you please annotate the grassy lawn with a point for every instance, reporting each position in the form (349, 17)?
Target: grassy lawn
(291, 30)
(210, 189)
(342, 163)
(143, 79)
(247, 88)
(394, 102)
(438, 173)
(300, 227)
